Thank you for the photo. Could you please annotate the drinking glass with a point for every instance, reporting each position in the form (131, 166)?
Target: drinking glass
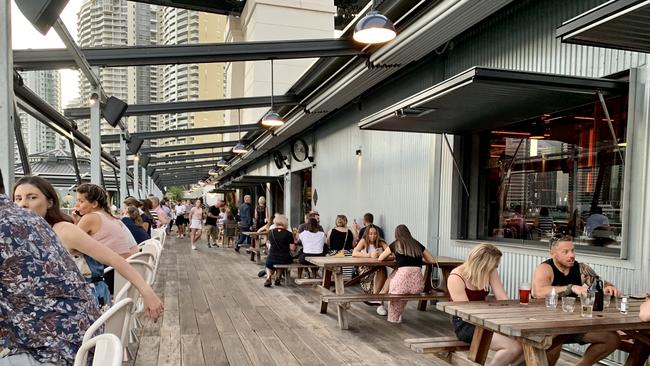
(618, 302)
(607, 299)
(587, 304)
(568, 304)
(524, 293)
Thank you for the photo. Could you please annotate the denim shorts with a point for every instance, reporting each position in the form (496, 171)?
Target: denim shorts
(464, 330)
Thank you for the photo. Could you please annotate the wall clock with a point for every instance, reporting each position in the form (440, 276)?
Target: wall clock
(299, 150)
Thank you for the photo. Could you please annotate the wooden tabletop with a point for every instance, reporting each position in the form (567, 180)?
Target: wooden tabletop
(512, 319)
(334, 261)
(255, 233)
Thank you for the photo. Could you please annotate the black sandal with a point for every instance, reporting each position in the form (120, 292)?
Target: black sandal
(267, 283)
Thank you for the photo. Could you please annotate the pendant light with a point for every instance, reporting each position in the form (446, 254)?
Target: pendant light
(240, 148)
(272, 119)
(222, 163)
(374, 27)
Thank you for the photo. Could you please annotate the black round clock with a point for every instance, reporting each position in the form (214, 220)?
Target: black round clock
(278, 159)
(299, 150)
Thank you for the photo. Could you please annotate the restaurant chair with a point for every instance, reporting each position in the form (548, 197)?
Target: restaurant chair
(107, 351)
(230, 234)
(116, 320)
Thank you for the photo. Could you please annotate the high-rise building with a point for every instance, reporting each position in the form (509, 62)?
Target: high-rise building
(118, 23)
(191, 82)
(36, 135)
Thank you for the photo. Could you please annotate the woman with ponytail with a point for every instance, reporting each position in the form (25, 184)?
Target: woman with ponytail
(92, 213)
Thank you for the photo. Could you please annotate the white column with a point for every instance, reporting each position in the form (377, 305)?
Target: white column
(95, 142)
(123, 168)
(6, 97)
(136, 178)
(144, 182)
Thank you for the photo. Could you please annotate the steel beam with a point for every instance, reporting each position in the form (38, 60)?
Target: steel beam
(136, 179)
(155, 160)
(197, 168)
(156, 168)
(57, 58)
(95, 143)
(181, 147)
(193, 106)
(75, 54)
(187, 163)
(6, 97)
(152, 135)
(123, 183)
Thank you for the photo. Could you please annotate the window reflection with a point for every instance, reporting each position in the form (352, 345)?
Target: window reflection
(561, 173)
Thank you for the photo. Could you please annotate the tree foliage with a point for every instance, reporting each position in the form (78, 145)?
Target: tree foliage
(175, 193)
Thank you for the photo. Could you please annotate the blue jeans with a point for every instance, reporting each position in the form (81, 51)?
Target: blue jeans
(243, 238)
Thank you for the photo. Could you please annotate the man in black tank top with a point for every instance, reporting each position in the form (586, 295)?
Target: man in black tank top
(569, 278)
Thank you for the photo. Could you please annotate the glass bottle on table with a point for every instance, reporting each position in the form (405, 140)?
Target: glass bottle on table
(599, 294)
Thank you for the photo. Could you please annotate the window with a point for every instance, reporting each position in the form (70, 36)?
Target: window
(558, 173)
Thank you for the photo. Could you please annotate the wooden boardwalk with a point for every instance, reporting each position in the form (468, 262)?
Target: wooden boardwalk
(217, 312)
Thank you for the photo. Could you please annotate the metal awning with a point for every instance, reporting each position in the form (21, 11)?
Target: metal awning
(246, 181)
(621, 24)
(481, 99)
(225, 7)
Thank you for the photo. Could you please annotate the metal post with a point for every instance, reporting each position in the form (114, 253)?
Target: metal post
(136, 178)
(123, 168)
(6, 96)
(20, 143)
(95, 142)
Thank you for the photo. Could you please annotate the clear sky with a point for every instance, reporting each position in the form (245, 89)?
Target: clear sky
(23, 36)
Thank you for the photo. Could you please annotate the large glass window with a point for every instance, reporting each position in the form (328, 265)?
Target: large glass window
(560, 173)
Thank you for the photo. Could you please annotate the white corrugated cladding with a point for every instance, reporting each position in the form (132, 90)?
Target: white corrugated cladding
(389, 179)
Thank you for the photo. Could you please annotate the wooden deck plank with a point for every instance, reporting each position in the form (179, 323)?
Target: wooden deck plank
(217, 312)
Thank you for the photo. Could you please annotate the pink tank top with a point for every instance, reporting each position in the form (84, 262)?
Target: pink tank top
(113, 235)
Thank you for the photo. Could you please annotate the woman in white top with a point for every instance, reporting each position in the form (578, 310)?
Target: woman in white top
(371, 246)
(196, 223)
(313, 243)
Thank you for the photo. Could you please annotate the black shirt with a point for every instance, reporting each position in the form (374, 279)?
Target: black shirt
(280, 240)
(139, 234)
(339, 241)
(379, 230)
(406, 261)
(146, 218)
(559, 279)
(212, 220)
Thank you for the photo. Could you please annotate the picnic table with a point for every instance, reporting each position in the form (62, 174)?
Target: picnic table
(333, 265)
(535, 325)
(256, 244)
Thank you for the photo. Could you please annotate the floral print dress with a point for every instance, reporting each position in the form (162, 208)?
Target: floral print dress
(45, 304)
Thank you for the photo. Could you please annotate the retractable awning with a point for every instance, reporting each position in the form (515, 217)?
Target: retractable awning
(621, 24)
(246, 181)
(482, 98)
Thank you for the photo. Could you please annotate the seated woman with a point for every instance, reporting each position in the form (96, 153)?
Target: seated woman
(407, 278)
(313, 243)
(471, 281)
(371, 246)
(134, 223)
(93, 215)
(644, 313)
(38, 195)
(280, 251)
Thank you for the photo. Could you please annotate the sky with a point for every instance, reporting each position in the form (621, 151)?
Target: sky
(24, 35)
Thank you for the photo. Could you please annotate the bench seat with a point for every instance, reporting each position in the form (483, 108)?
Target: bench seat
(308, 281)
(383, 297)
(298, 266)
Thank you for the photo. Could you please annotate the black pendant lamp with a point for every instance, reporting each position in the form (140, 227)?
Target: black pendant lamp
(240, 148)
(272, 119)
(374, 27)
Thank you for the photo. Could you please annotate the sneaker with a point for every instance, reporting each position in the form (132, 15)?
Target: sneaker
(381, 310)
(372, 303)
(277, 282)
(193, 247)
(237, 249)
(267, 283)
(209, 245)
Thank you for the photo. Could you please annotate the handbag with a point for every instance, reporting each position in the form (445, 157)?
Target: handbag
(342, 252)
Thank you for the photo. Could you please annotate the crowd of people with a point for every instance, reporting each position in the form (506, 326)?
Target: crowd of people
(52, 281)
(61, 258)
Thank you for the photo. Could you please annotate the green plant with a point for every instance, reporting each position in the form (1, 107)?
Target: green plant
(175, 193)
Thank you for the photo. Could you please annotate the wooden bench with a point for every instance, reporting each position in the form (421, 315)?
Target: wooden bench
(299, 267)
(345, 298)
(441, 347)
(308, 281)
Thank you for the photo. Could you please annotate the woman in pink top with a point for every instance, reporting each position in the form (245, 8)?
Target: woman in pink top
(93, 215)
(196, 223)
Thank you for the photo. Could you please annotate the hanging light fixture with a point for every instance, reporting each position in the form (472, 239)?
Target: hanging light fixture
(537, 131)
(374, 27)
(222, 163)
(272, 119)
(240, 148)
(212, 172)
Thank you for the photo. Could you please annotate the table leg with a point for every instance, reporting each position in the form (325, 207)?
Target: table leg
(480, 346)
(422, 304)
(638, 356)
(327, 284)
(534, 356)
(253, 246)
(341, 308)
(258, 255)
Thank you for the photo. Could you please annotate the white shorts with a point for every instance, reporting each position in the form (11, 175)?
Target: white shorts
(196, 224)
